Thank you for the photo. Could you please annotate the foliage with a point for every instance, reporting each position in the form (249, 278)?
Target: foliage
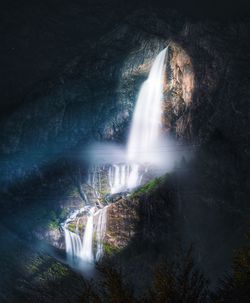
(148, 187)
(56, 217)
(72, 227)
(173, 283)
(236, 288)
(178, 282)
(109, 249)
(113, 287)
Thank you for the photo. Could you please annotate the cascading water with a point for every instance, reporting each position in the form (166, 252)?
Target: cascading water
(79, 250)
(147, 115)
(73, 246)
(87, 248)
(141, 146)
(73, 240)
(118, 177)
(144, 132)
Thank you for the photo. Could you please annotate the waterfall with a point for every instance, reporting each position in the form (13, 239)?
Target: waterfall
(87, 249)
(146, 120)
(100, 232)
(134, 176)
(73, 241)
(73, 246)
(144, 131)
(142, 143)
(123, 177)
(79, 250)
(118, 177)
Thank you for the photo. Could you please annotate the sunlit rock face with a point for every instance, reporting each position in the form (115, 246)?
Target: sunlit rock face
(121, 225)
(179, 83)
(178, 90)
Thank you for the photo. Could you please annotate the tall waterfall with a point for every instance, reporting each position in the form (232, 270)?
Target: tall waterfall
(142, 143)
(144, 132)
(147, 115)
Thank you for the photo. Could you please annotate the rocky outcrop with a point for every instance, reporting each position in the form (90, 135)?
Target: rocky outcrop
(53, 236)
(121, 224)
(178, 91)
(144, 216)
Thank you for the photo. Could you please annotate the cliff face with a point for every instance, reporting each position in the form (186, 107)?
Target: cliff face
(92, 98)
(94, 95)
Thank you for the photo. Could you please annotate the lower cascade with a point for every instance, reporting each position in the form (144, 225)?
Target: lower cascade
(112, 178)
(87, 251)
(124, 177)
(80, 249)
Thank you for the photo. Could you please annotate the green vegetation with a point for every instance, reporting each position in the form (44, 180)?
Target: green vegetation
(72, 227)
(109, 249)
(148, 187)
(56, 217)
(35, 265)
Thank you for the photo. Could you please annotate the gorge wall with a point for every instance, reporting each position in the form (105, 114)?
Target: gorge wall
(65, 111)
(92, 98)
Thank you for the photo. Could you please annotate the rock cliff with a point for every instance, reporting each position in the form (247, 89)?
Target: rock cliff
(206, 103)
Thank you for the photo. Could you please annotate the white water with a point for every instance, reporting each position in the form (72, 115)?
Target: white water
(79, 250)
(118, 177)
(73, 246)
(87, 245)
(144, 133)
(146, 121)
(124, 176)
(73, 241)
